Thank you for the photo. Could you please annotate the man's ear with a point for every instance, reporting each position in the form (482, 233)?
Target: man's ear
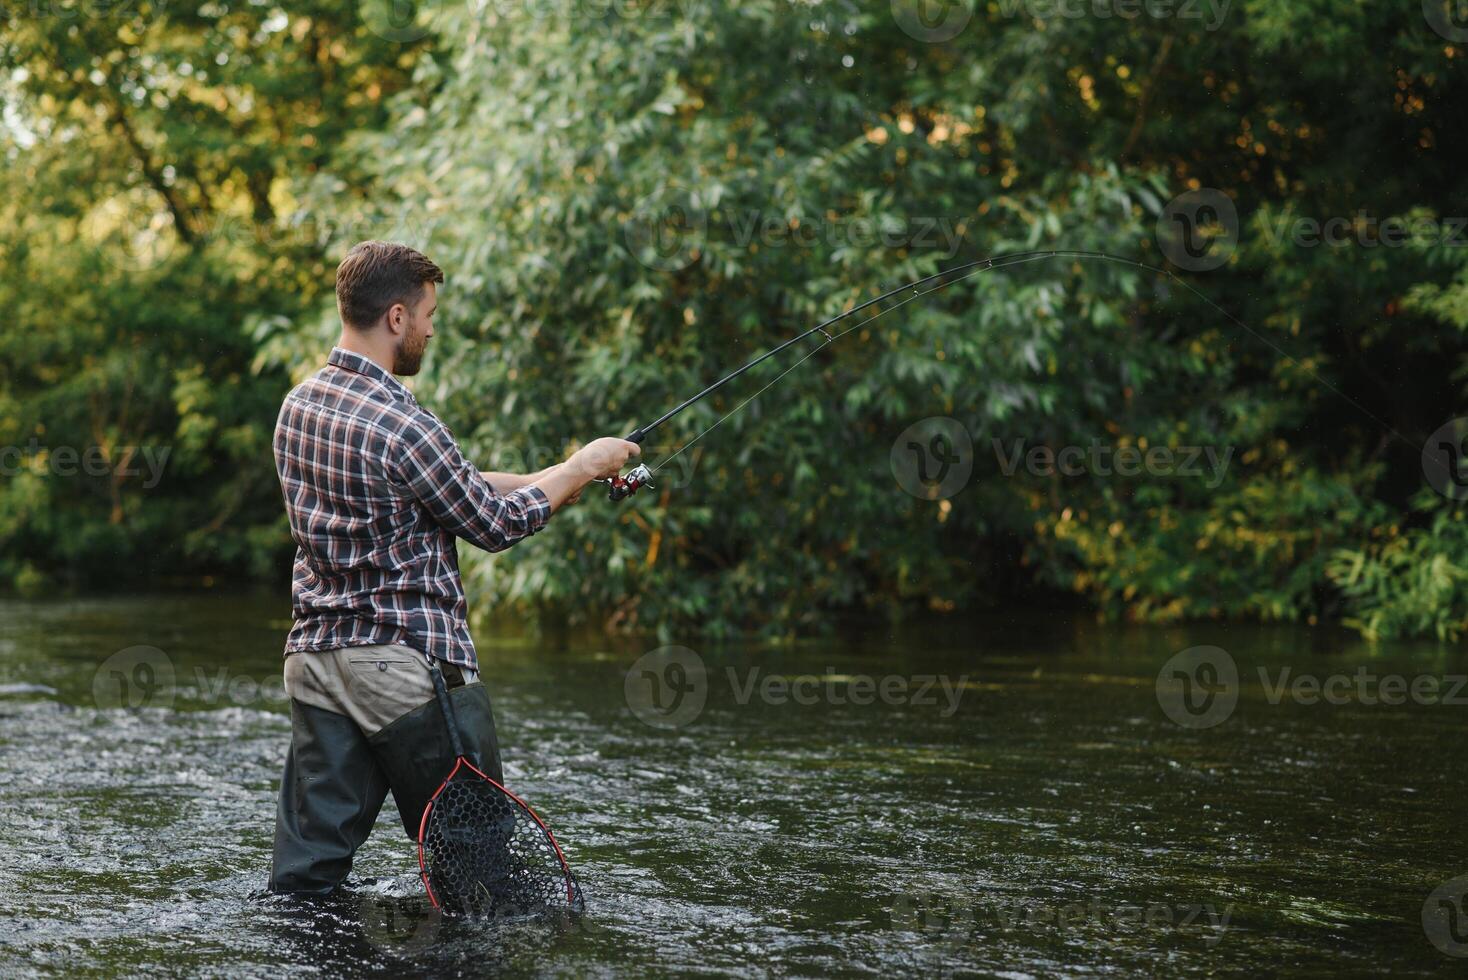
(397, 319)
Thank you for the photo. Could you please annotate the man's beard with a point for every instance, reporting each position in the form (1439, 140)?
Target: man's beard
(408, 358)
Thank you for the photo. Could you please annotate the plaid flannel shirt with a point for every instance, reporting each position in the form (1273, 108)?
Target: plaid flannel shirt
(376, 489)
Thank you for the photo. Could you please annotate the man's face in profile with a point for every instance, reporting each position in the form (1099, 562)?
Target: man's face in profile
(408, 358)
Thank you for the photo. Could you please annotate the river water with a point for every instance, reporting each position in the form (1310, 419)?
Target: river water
(1010, 797)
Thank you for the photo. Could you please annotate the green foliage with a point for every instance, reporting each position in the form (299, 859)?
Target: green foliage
(630, 199)
(1258, 550)
(1412, 581)
(153, 158)
(789, 156)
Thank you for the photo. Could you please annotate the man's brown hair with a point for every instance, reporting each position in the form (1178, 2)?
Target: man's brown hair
(376, 275)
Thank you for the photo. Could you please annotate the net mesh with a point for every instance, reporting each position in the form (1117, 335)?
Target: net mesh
(484, 854)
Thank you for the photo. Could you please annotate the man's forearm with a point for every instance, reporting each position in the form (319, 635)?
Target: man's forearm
(505, 482)
(560, 483)
(563, 482)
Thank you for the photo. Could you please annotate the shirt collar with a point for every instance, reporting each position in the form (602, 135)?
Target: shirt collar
(352, 361)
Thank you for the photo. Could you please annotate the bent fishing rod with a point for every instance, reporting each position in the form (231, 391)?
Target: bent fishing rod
(623, 486)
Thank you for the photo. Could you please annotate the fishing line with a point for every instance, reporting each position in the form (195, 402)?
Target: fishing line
(812, 353)
(622, 487)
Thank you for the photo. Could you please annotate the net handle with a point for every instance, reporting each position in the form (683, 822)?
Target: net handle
(442, 690)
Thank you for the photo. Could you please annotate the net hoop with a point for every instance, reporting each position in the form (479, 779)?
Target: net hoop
(462, 763)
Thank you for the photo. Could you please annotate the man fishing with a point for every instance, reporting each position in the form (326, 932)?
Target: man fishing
(377, 490)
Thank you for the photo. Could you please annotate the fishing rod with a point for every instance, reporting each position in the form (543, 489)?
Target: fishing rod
(622, 487)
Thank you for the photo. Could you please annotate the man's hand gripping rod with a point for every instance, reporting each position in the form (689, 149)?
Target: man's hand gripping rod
(622, 487)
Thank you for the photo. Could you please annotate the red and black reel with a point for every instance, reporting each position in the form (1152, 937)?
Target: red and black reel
(482, 851)
(622, 487)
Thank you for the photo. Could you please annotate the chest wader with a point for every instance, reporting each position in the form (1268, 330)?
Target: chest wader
(337, 778)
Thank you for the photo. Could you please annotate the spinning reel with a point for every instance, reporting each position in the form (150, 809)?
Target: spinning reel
(622, 487)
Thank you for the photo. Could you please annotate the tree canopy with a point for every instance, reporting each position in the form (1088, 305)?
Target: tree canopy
(631, 199)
